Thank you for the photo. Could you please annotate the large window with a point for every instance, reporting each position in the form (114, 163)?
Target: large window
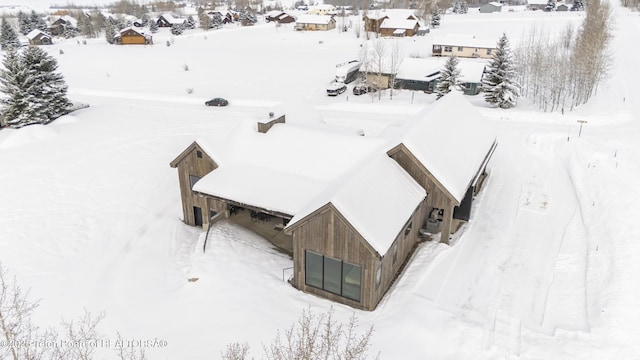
(193, 180)
(332, 275)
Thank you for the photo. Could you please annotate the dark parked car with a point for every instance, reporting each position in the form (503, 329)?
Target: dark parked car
(217, 102)
(361, 89)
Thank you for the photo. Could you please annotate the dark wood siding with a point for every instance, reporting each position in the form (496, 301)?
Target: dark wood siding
(437, 196)
(190, 164)
(328, 233)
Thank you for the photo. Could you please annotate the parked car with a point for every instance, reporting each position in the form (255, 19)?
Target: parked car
(336, 89)
(217, 102)
(360, 89)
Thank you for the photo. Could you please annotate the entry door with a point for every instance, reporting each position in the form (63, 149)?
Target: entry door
(197, 215)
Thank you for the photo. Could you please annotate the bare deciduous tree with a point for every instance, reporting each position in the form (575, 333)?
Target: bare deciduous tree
(395, 61)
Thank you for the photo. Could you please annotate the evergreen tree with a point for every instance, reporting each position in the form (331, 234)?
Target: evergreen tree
(177, 29)
(110, 33)
(34, 92)
(191, 23)
(153, 27)
(499, 84)
(37, 21)
(24, 23)
(16, 108)
(46, 87)
(449, 77)
(578, 5)
(551, 5)
(457, 8)
(8, 36)
(435, 17)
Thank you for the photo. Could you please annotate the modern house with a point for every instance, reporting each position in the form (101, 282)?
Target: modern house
(350, 218)
(461, 46)
(38, 37)
(423, 74)
(315, 22)
(132, 36)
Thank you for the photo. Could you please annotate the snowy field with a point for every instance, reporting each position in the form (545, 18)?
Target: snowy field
(90, 211)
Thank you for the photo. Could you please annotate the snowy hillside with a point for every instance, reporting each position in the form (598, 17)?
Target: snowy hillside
(90, 213)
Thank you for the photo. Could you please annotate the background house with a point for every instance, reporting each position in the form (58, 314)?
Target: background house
(61, 23)
(490, 7)
(424, 74)
(315, 22)
(167, 20)
(399, 27)
(38, 37)
(131, 36)
(463, 46)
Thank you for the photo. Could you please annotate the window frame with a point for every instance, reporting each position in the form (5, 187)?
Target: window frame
(193, 180)
(335, 276)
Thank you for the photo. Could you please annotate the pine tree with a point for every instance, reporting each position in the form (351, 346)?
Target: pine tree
(153, 27)
(24, 23)
(499, 84)
(47, 88)
(191, 23)
(435, 17)
(110, 33)
(8, 36)
(449, 77)
(177, 29)
(578, 5)
(34, 92)
(16, 109)
(551, 5)
(37, 21)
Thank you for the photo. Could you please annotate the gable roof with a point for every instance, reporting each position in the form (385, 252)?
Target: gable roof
(464, 40)
(315, 19)
(463, 139)
(171, 20)
(426, 69)
(283, 169)
(33, 34)
(377, 198)
(399, 24)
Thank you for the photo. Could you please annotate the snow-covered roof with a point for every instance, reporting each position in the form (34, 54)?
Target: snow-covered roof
(377, 197)
(451, 139)
(496, 4)
(422, 69)
(34, 34)
(303, 158)
(131, 28)
(399, 24)
(67, 19)
(464, 40)
(171, 19)
(314, 19)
